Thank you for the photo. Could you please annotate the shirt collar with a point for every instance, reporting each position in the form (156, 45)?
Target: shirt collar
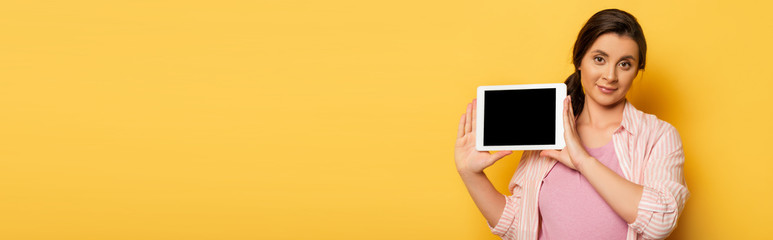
(629, 113)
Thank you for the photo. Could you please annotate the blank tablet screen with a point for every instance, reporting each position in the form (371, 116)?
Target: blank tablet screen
(520, 117)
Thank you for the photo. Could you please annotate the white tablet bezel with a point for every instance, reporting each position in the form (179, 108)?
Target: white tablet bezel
(559, 124)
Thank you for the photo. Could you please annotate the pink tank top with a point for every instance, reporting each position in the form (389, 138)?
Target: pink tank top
(570, 208)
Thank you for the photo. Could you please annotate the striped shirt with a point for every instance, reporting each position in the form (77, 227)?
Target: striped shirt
(650, 154)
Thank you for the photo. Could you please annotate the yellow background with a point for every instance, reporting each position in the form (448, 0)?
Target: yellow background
(336, 119)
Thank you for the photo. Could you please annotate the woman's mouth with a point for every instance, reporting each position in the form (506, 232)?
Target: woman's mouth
(606, 90)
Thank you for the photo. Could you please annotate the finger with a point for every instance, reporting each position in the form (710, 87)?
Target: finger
(572, 118)
(549, 154)
(498, 155)
(474, 113)
(460, 133)
(568, 113)
(567, 106)
(571, 109)
(468, 121)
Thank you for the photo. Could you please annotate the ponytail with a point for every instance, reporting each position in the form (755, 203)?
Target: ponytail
(574, 89)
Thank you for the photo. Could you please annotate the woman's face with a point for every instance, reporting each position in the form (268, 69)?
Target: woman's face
(608, 68)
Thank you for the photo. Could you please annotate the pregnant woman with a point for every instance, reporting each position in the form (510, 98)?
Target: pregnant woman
(620, 175)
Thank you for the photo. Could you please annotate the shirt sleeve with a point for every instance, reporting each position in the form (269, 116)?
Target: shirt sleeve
(665, 191)
(508, 221)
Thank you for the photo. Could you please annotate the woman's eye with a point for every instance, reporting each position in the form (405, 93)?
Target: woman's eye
(625, 65)
(598, 59)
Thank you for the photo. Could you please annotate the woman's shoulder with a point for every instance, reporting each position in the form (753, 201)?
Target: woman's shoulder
(651, 121)
(648, 125)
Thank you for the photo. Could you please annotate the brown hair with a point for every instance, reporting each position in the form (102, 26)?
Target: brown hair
(604, 21)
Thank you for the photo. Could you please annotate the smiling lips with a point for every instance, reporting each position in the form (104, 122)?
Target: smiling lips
(606, 90)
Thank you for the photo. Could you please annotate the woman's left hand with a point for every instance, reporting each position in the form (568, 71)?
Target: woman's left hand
(574, 154)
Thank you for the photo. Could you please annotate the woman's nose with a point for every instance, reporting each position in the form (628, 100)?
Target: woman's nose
(611, 74)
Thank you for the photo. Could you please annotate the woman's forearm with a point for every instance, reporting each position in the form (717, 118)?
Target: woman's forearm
(622, 195)
(490, 202)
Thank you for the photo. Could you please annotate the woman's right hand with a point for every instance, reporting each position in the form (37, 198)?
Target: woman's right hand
(468, 159)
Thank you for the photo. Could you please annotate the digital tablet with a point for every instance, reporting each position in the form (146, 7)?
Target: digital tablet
(520, 117)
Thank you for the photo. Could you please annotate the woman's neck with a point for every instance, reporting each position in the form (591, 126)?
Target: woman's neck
(600, 117)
